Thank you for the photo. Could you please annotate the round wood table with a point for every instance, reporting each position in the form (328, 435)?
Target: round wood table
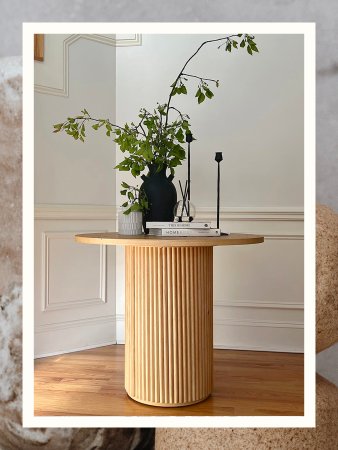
(169, 314)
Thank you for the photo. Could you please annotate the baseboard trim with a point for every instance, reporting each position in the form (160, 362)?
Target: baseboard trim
(261, 323)
(73, 350)
(53, 339)
(258, 348)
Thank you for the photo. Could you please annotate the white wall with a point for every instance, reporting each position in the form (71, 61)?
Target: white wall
(256, 120)
(74, 284)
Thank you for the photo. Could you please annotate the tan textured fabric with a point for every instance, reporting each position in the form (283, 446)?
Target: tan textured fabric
(327, 278)
(10, 170)
(323, 437)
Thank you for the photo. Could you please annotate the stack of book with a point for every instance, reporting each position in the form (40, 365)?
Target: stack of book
(202, 229)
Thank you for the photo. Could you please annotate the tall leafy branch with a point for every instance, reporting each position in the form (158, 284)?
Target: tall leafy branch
(203, 91)
(155, 139)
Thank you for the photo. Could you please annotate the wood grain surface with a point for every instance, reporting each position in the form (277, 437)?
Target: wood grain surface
(91, 382)
(114, 238)
(169, 334)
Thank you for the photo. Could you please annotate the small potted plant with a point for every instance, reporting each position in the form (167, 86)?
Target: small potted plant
(130, 218)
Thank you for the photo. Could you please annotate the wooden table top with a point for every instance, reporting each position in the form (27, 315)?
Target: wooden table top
(143, 240)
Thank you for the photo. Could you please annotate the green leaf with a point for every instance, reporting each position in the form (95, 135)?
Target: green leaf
(123, 192)
(234, 44)
(249, 50)
(179, 135)
(125, 185)
(208, 93)
(198, 93)
(122, 168)
(125, 204)
(96, 126)
(242, 44)
(201, 98)
(228, 47)
(183, 89)
(135, 207)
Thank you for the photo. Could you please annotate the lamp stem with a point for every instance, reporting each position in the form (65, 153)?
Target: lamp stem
(218, 193)
(188, 179)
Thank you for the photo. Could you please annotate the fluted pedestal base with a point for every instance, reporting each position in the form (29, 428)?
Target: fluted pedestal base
(169, 324)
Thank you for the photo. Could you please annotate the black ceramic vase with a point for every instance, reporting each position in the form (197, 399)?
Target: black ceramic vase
(161, 194)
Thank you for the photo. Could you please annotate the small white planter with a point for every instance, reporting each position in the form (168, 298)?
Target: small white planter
(130, 224)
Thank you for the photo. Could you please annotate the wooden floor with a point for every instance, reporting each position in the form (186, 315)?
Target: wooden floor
(246, 383)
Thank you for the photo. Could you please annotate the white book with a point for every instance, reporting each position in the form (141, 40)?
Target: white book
(184, 232)
(192, 225)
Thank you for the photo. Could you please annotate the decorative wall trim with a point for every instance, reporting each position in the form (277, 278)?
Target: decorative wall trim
(64, 91)
(253, 213)
(261, 323)
(136, 40)
(75, 323)
(75, 212)
(47, 211)
(47, 304)
(249, 304)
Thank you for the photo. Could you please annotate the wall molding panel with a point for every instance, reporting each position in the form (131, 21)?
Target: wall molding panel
(130, 40)
(47, 301)
(267, 324)
(75, 292)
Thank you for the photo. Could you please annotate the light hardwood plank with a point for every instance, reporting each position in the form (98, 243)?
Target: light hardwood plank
(91, 382)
